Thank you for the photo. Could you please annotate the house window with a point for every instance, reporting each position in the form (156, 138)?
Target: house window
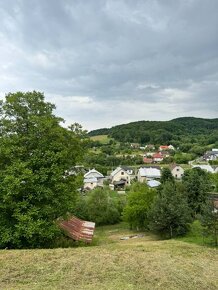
(122, 173)
(177, 169)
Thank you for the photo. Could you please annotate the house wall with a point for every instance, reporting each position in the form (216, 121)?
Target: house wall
(90, 185)
(121, 175)
(141, 178)
(177, 172)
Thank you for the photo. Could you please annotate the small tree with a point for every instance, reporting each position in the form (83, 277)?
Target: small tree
(139, 201)
(209, 221)
(197, 185)
(102, 206)
(166, 175)
(170, 214)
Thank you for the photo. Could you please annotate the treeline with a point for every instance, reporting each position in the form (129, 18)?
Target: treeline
(188, 130)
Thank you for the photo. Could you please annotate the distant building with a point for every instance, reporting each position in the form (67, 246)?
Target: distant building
(211, 155)
(166, 147)
(177, 171)
(147, 160)
(148, 173)
(158, 157)
(122, 176)
(93, 179)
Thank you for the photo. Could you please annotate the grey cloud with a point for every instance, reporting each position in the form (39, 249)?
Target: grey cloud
(149, 52)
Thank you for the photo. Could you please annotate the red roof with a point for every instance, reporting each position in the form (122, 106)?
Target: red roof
(147, 160)
(164, 147)
(157, 155)
(78, 229)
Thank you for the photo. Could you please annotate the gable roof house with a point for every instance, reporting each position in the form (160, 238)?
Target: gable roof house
(158, 157)
(122, 176)
(148, 173)
(177, 171)
(166, 147)
(92, 179)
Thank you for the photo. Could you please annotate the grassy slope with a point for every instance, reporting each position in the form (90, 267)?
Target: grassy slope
(104, 139)
(143, 263)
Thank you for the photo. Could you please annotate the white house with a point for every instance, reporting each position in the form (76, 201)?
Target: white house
(122, 174)
(148, 173)
(92, 179)
(177, 171)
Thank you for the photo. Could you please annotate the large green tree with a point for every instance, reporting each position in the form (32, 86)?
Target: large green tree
(36, 152)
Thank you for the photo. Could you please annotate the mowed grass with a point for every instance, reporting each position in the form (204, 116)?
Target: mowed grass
(104, 139)
(140, 263)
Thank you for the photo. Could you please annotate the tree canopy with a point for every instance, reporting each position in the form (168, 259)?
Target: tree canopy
(139, 201)
(35, 154)
(170, 214)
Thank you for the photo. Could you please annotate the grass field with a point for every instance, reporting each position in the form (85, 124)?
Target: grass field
(141, 263)
(104, 139)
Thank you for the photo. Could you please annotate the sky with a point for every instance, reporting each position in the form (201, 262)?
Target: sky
(108, 62)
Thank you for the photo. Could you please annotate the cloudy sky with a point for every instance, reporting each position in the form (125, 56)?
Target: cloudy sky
(106, 62)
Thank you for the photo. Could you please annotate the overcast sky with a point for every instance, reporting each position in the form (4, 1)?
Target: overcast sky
(110, 62)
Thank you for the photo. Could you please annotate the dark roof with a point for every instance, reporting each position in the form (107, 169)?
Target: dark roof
(126, 168)
(120, 182)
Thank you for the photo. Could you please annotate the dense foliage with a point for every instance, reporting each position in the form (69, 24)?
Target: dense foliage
(101, 205)
(209, 221)
(35, 154)
(139, 201)
(170, 214)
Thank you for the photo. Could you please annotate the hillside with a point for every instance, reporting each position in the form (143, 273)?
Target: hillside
(187, 129)
(141, 263)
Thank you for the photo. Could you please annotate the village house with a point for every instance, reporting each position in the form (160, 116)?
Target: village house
(122, 176)
(93, 179)
(177, 171)
(148, 173)
(166, 147)
(147, 160)
(157, 157)
(211, 155)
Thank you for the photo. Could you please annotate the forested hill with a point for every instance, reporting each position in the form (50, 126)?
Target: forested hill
(186, 129)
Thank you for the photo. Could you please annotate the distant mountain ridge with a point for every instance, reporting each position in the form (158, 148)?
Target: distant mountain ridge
(190, 128)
